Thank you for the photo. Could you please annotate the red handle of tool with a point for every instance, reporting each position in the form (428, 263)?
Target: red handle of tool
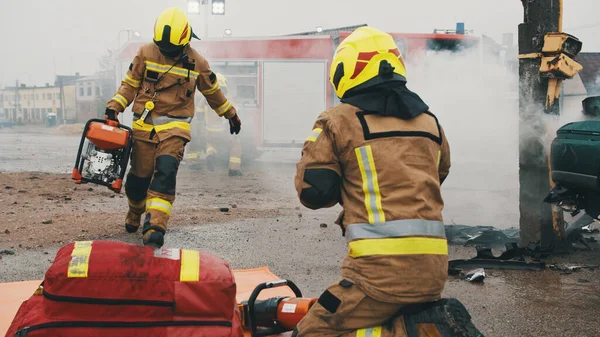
(112, 123)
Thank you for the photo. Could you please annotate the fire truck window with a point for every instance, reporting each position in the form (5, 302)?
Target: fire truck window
(246, 92)
(242, 79)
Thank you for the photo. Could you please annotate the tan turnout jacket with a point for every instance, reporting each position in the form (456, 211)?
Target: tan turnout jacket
(390, 172)
(173, 93)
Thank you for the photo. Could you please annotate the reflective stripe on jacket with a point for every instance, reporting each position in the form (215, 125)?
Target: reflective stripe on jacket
(389, 171)
(174, 82)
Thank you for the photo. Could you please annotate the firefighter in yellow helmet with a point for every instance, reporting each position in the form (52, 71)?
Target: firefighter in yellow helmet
(161, 82)
(215, 133)
(382, 155)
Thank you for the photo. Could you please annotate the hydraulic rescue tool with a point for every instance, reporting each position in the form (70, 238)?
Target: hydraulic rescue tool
(103, 154)
(274, 315)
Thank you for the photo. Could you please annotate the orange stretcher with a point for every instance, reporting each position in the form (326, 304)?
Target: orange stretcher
(14, 293)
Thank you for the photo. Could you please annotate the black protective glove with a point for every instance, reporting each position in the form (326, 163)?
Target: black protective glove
(110, 114)
(235, 124)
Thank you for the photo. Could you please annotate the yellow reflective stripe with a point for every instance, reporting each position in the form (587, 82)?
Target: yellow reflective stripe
(398, 246)
(162, 127)
(159, 204)
(143, 127)
(172, 125)
(375, 184)
(235, 160)
(369, 332)
(215, 129)
(136, 204)
(439, 158)
(315, 134)
(361, 165)
(162, 68)
(192, 155)
(120, 99)
(131, 81)
(190, 266)
(212, 89)
(221, 110)
(364, 155)
(211, 150)
(80, 259)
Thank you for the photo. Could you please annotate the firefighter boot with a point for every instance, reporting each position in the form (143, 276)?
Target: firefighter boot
(235, 173)
(154, 236)
(448, 316)
(210, 162)
(132, 221)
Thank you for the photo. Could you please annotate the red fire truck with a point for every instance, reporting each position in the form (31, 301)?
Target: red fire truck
(280, 84)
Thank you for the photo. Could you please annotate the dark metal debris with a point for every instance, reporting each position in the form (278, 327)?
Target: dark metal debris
(494, 264)
(475, 275)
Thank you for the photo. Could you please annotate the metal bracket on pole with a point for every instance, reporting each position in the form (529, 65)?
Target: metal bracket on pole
(530, 56)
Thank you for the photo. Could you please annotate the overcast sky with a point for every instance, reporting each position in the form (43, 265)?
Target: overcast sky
(42, 38)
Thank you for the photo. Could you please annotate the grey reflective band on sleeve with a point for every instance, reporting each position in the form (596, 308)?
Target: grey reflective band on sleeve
(396, 228)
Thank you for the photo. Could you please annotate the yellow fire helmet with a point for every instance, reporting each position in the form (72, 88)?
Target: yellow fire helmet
(358, 61)
(172, 32)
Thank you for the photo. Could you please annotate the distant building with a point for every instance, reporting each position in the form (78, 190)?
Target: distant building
(91, 95)
(31, 105)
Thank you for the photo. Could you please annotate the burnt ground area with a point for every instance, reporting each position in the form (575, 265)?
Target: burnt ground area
(45, 209)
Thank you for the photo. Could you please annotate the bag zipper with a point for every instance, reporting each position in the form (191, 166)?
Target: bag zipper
(106, 301)
(86, 324)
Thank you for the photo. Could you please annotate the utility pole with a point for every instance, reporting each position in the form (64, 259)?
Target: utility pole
(17, 101)
(538, 110)
(63, 112)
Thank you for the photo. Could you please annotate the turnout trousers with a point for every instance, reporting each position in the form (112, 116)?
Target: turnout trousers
(151, 181)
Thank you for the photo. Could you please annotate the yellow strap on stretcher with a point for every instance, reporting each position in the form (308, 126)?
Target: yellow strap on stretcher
(190, 266)
(80, 259)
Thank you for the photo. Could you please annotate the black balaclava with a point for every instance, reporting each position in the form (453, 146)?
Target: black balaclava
(390, 97)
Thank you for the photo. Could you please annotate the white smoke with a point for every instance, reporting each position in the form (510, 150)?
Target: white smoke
(475, 98)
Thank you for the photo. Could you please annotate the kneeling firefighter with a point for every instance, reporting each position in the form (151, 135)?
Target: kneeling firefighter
(162, 79)
(382, 155)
